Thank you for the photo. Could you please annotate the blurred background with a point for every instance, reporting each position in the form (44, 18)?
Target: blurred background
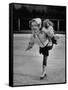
(22, 13)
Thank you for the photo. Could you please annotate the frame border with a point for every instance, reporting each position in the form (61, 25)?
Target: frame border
(11, 46)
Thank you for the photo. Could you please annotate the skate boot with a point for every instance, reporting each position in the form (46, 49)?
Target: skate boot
(43, 75)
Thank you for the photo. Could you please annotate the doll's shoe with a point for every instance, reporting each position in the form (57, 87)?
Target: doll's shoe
(55, 42)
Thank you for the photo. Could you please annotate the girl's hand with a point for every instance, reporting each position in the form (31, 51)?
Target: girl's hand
(28, 48)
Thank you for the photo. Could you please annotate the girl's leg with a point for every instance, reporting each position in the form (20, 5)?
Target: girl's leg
(44, 67)
(44, 60)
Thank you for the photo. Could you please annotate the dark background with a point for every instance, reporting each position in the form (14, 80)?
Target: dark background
(22, 13)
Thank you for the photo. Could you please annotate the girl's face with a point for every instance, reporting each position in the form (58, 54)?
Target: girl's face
(34, 27)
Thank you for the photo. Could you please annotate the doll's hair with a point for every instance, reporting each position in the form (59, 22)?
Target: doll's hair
(47, 21)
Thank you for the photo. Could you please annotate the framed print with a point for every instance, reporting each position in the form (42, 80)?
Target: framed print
(37, 44)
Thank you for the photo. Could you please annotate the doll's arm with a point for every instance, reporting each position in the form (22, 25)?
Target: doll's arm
(45, 30)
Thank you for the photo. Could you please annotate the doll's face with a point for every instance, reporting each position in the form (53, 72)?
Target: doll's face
(48, 24)
(34, 27)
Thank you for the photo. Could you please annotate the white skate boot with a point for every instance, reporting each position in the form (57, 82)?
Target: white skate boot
(43, 75)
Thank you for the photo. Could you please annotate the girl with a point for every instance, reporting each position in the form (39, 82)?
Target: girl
(40, 38)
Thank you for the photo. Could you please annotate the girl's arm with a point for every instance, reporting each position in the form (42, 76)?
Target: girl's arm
(30, 45)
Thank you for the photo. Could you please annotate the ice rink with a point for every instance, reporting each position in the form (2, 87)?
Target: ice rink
(27, 65)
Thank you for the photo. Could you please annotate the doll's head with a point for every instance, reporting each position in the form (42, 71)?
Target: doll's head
(47, 23)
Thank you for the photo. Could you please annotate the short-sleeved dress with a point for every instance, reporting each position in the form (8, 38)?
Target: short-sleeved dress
(45, 50)
(42, 41)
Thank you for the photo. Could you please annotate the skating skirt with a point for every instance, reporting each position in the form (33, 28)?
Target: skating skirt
(45, 50)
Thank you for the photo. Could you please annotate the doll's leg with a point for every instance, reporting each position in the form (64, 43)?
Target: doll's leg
(54, 41)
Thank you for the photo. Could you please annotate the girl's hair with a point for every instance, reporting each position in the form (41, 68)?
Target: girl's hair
(37, 20)
(47, 21)
(30, 22)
